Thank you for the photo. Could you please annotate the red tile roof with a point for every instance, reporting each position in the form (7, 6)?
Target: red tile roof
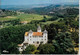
(35, 33)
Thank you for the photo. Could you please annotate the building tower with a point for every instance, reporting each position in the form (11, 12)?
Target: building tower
(39, 29)
(30, 33)
(45, 36)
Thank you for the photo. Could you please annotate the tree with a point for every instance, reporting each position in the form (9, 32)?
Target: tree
(75, 37)
(75, 24)
(46, 49)
(29, 49)
(53, 29)
(53, 18)
(12, 36)
(44, 19)
(15, 22)
(63, 43)
(72, 11)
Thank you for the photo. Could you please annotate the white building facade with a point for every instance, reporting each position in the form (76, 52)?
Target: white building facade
(34, 38)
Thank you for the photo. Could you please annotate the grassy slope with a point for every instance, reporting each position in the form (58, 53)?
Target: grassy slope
(55, 22)
(29, 17)
(25, 17)
(6, 18)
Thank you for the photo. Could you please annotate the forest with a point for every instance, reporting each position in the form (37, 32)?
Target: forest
(62, 26)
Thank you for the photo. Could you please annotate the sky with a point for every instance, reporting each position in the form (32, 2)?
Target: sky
(30, 2)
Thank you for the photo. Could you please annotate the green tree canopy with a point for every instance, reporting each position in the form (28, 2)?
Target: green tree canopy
(29, 49)
(13, 35)
(63, 43)
(46, 49)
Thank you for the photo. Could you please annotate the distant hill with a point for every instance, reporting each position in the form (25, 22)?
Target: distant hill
(21, 7)
(51, 9)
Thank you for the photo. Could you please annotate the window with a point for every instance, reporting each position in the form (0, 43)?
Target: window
(37, 42)
(41, 42)
(33, 42)
(30, 36)
(21, 48)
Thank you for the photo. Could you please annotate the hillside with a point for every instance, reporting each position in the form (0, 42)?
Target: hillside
(24, 17)
(51, 9)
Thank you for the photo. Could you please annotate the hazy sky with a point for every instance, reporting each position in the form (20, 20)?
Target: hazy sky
(28, 2)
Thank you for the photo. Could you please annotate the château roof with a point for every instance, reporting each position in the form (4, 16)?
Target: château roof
(37, 33)
(26, 33)
(34, 33)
